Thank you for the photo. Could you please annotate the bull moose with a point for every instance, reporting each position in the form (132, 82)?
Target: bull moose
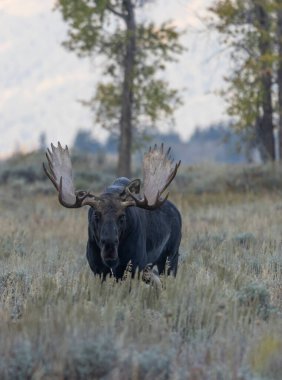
(125, 225)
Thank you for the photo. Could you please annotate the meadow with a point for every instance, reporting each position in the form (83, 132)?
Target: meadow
(219, 319)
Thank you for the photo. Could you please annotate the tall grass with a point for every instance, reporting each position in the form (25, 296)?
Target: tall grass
(220, 318)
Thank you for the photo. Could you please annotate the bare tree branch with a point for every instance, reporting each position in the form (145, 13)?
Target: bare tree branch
(115, 12)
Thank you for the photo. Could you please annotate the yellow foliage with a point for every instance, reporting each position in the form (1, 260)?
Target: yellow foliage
(261, 355)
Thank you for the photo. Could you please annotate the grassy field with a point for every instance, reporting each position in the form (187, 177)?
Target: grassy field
(221, 318)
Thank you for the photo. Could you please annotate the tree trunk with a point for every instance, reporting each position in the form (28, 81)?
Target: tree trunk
(125, 143)
(265, 132)
(279, 71)
(265, 126)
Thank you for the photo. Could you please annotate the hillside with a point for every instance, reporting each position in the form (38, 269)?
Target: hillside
(95, 172)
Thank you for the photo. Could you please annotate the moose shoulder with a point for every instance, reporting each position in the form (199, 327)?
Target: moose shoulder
(123, 225)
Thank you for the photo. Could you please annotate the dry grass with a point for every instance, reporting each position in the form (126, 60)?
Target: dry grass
(219, 319)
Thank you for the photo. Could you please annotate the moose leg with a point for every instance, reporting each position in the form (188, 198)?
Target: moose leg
(173, 263)
(119, 271)
(161, 263)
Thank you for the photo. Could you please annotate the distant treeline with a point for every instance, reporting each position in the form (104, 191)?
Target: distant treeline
(218, 143)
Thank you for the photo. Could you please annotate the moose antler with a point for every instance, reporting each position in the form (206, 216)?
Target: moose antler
(60, 174)
(158, 172)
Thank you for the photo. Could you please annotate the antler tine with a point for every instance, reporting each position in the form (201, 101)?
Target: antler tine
(173, 174)
(50, 176)
(60, 174)
(159, 171)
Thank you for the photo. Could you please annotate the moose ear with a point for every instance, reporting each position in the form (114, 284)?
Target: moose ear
(134, 186)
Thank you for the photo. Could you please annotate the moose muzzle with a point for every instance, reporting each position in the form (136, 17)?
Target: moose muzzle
(109, 244)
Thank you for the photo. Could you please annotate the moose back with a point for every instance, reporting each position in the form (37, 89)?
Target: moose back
(125, 224)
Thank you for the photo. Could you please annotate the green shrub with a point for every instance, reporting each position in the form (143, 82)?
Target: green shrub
(19, 361)
(255, 298)
(152, 363)
(90, 357)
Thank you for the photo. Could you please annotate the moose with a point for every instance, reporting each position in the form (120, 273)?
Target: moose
(125, 225)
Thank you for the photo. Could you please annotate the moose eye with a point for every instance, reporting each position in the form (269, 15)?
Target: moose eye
(81, 193)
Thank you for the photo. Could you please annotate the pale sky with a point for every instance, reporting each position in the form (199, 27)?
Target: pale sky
(41, 82)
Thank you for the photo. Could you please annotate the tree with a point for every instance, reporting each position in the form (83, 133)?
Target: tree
(84, 142)
(279, 69)
(132, 93)
(248, 28)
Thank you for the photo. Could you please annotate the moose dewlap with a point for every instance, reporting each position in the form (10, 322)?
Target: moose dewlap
(125, 224)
